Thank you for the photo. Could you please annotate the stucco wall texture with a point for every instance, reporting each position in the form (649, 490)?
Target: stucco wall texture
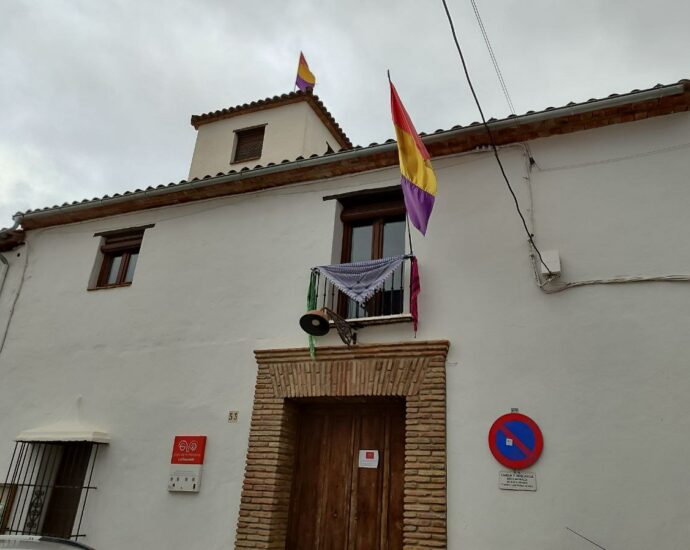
(602, 369)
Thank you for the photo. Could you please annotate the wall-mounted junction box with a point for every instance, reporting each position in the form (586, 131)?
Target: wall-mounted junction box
(552, 259)
(186, 479)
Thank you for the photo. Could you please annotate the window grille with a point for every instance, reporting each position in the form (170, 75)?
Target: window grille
(46, 488)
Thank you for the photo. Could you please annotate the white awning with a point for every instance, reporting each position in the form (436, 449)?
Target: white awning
(64, 431)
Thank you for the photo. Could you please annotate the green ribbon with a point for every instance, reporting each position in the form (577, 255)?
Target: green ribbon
(311, 304)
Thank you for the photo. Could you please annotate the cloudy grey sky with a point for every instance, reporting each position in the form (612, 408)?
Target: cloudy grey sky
(96, 95)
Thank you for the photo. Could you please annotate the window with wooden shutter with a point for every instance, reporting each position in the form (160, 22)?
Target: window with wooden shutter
(119, 255)
(248, 144)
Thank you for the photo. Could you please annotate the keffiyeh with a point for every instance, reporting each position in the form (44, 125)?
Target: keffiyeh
(360, 280)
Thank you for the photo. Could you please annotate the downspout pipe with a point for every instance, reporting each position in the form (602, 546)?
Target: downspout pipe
(4, 271)
(17, 220)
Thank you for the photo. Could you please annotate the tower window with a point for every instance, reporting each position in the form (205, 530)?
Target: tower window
(249, 143)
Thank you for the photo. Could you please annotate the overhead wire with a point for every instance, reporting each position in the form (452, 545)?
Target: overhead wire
(499, 74)
(611, 160)
(549, 284)
(494, 61)
(530, 237)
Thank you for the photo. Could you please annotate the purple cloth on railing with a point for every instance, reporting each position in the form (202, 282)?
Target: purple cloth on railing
(415, 289)
(360, 280)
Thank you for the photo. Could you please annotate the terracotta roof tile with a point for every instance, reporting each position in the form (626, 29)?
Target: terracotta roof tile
(283, 99)
(277, 99)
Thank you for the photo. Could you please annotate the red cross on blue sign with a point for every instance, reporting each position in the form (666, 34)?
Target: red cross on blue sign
(516, 441)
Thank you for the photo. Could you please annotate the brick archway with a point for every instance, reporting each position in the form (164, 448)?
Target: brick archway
(415, 371)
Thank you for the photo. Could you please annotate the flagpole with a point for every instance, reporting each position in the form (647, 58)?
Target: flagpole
(407, 218)
(409, 233)
(298, 62)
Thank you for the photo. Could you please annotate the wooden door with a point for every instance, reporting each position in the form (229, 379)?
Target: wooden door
(335, 504)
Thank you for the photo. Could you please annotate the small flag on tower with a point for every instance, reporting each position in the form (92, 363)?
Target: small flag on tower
(305, 78)
(418, 180)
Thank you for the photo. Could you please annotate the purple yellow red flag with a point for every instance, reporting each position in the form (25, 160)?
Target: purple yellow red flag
(418, 180)
(305, 78)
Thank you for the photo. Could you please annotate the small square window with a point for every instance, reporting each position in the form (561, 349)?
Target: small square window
(249, 144)
(119, 253)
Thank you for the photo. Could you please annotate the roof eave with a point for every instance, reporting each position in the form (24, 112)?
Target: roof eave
(277, 101)
(657, 101)
(11, 239)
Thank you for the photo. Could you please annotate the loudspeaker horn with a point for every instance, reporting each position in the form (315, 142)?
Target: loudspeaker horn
(315, 322)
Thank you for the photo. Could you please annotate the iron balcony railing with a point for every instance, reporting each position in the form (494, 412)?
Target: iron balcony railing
(391, 300)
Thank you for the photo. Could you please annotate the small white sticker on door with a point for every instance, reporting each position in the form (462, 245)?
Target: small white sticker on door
(368, 458)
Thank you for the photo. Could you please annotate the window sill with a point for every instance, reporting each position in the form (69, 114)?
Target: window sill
(121, 285)
(244, 160)
(379, 320)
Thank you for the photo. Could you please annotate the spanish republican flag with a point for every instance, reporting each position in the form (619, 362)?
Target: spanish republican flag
(305, 78)
(418, 180)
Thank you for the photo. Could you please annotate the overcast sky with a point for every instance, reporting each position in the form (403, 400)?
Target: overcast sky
(96, 95)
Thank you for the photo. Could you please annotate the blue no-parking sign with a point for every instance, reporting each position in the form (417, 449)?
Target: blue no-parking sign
(516, 441)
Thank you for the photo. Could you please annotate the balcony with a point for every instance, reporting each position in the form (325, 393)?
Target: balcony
(390, 304)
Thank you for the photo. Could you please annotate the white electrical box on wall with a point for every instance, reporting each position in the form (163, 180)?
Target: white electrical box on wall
(186, 462)
(553, 259)
(184, 479)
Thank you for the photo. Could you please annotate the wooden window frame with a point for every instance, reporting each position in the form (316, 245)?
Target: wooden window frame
(124, 243)
(376, 215)
(238, 137)
(8, 491)
(124, 266)
(374, 209)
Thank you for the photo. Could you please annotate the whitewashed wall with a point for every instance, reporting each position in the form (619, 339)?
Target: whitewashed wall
(291, 130)
(603, 370)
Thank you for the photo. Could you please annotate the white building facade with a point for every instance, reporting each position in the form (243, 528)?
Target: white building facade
(198, 320)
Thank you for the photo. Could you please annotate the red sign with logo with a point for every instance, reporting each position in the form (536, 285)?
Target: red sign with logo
(188, 449)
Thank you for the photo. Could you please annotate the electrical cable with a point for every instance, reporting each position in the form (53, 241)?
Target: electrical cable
(497, 69)
(499, 74)
(615, 159)
(548, 285)
(16, 297)
(583, 537)
(530, 237)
